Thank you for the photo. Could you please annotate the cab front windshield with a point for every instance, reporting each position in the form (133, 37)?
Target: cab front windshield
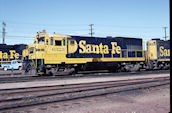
(41, 41)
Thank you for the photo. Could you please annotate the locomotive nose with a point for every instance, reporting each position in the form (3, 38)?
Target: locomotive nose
(36, 50)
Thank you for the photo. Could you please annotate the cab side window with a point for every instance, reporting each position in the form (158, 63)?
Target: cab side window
(64, 42)
(58, 43)
(72, 42)
(51, 41)
(47, 41)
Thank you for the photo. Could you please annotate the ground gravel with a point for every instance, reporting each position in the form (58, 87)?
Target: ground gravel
(153, 100)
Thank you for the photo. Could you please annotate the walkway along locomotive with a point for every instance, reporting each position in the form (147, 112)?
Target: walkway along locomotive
(52, 53)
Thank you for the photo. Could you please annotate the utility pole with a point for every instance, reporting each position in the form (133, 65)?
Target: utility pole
(3, 32)
(91, 30)
(165, 32)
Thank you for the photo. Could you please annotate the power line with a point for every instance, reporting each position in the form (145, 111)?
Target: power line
(80, 24)
(31, 37)
(45, 24)
(127, 26)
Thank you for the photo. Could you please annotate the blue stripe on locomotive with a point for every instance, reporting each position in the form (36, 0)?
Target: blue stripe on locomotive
(131, 44)
(166, 45)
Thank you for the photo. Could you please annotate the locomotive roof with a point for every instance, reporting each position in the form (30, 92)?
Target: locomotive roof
(5, 46)
(13, 45)
(64, 36)
(104, 37)
(56, 35)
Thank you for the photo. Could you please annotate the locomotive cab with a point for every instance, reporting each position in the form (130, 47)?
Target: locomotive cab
(49, 49)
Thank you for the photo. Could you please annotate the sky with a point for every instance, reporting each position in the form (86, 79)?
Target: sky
(126, 18)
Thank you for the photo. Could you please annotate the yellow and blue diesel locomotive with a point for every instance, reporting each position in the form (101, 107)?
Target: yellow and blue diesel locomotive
(158, 54)
(52, 53)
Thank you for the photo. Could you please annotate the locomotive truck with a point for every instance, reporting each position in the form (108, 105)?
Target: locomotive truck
(52, 53)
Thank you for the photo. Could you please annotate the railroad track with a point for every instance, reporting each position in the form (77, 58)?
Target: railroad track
(23, 97)
(15, 79)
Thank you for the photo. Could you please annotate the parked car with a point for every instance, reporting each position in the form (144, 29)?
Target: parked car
(14, 64)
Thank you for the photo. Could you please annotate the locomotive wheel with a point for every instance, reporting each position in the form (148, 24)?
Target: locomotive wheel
(49, 72)
(166, 66)
(72, 71)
